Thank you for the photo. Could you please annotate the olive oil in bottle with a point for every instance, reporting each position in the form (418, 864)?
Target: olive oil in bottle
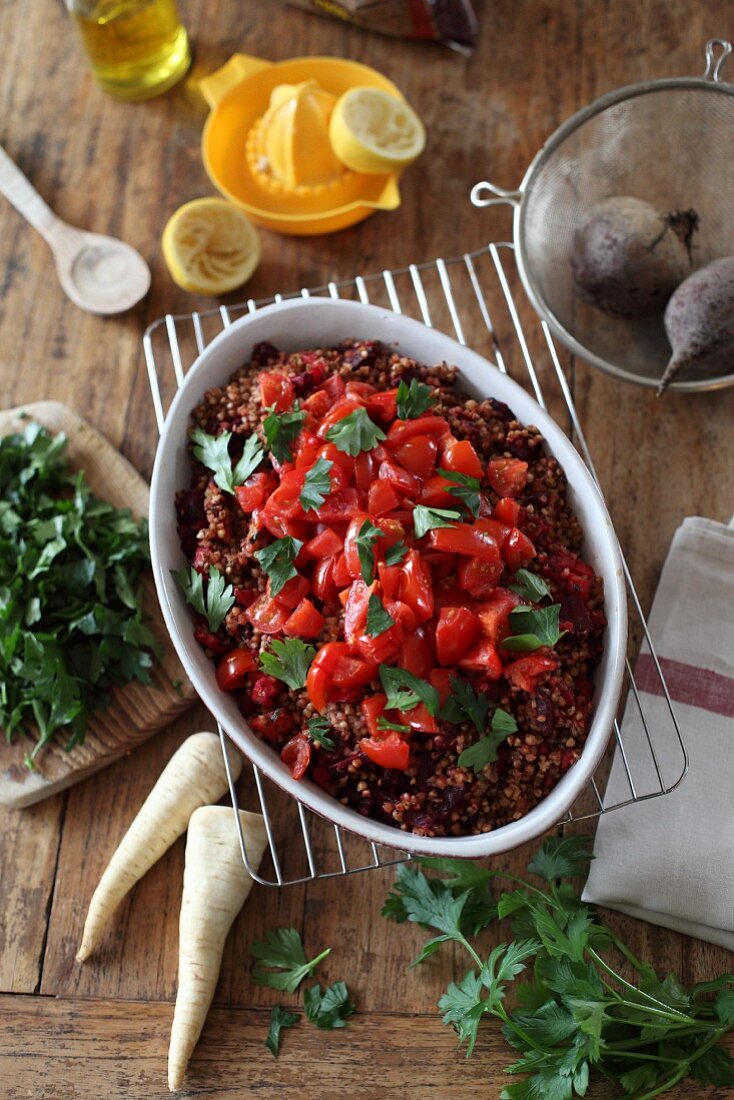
(138, 48)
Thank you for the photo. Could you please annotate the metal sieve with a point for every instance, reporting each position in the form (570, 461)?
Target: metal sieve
(668, 142)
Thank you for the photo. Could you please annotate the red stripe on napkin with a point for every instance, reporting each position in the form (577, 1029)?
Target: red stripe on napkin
(698, 687)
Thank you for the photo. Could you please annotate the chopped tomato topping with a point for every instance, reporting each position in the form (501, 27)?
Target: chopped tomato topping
(292, 592)
(416, 587)
(276, 389)
(297, 755)
(457, 630)
(387, 752)
(233, 670)
(518, 550)
(526, 672)
(325, 544)
(267, 615)
(460, 457)
(418, 455)
(382, 497)
(507, 476)
(466, 538)
(305, 622)
(255, 491)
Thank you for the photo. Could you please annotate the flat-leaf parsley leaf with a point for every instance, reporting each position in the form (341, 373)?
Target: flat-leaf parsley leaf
(319, 729)
(378, 619)
(280, 1018)
(427, 519)
(288, 661)
(530, 586)
(317, 485)
(464, 487)
(533, 628)
(484, 751)
(213, 452)
(282, 429)
(329, 1009)
(282, 953)
(277, 559)
(355, 433)
(404, 690)
(365, 542)
(414, 400)
(214, 602)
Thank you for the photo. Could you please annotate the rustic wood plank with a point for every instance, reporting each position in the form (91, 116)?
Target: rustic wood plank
(29, 845)
(136, 710)
(56, 1048)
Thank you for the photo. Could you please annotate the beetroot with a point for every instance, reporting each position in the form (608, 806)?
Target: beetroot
(699, 321)
(628, 257)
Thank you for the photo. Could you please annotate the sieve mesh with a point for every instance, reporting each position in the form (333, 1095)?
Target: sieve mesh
(671, 147)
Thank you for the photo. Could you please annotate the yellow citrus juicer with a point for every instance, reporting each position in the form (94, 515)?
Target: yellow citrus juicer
(266, 144)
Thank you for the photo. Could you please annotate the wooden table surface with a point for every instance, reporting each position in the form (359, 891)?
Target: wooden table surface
(123, 169)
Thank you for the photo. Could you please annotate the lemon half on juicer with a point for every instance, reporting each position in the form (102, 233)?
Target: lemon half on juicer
(210, 247)
(374, 132)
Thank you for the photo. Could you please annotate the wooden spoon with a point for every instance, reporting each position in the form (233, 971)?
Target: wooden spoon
(99, 274)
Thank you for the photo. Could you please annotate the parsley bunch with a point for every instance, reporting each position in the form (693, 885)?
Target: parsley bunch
(71, 618)
(576, 1016)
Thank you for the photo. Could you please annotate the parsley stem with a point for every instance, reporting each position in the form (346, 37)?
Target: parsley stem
(470, 949)
(625, 1054)
(661, 1008)
(666, 1085)
(501, 1012)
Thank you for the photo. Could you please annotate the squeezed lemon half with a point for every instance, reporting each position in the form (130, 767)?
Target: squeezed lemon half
(374, 132)
(210, 247)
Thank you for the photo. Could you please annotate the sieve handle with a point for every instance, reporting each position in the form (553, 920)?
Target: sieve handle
(501, 198)
(714, 62)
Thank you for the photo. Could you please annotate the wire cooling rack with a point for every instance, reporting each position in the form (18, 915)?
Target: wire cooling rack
(472, 297)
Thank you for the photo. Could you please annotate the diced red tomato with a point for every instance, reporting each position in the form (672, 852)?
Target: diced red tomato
(499, 531)
(440, 679)
(306, 449)
(355, 609)
(507, 476)
(416, 587)
(317, 685)
(297, 755)
(382, 648)
(343, 408)
(334, 670)
(267, 615)
(364, 471)
(484, 658)
(478, 577)
(341, 574)
(324, 545)
(416, 655)
(389, 579)
(283, 503)
(244, 596)
(373, 708)
(518, 550)
(292, 592)
(402, 480)
(342, 470)
(441, 565)
(494, 614)
(233, 670)
(305, 622)
(359, 389)
(418, 455)
(382, 406)
(322, 579)
(317, 404)
(526, 672)
(399, 612)
(457, 630)
(265, 690)
(334, 387)
(279, 526)
(508, 511)
(392, 532)
(204, 637)
(255, 491)
(435, 493)
(274, 725)
(340, 506)
(382, 497)
(460, 457)
(276, 389)
(418, 718)
(387, 752)
(351, 550)
(401, 430)
(465, 538)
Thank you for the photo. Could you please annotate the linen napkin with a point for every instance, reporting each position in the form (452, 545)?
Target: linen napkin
(670, 860)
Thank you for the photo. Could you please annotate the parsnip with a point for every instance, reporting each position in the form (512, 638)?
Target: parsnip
(215, 887)
(193, 777)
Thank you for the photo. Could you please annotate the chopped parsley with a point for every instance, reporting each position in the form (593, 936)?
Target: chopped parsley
(383, 724)
(213, 452)
(415, 399)
(404, 690)
(288, 661)
(282, 429)
(283, 955)
(464, 487)
(280, 1018)
(277, 559)
(213, 602)
(319, 729)
(378, 619)
(530, 586)
(365, 540)
(317, 485)
(395, 553)
(355, 433)
(533, 628)
(329, 1009)
(427, 519)
(465, 705)
(484, 751)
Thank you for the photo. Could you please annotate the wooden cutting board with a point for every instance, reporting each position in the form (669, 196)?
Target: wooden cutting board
(136, 711)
